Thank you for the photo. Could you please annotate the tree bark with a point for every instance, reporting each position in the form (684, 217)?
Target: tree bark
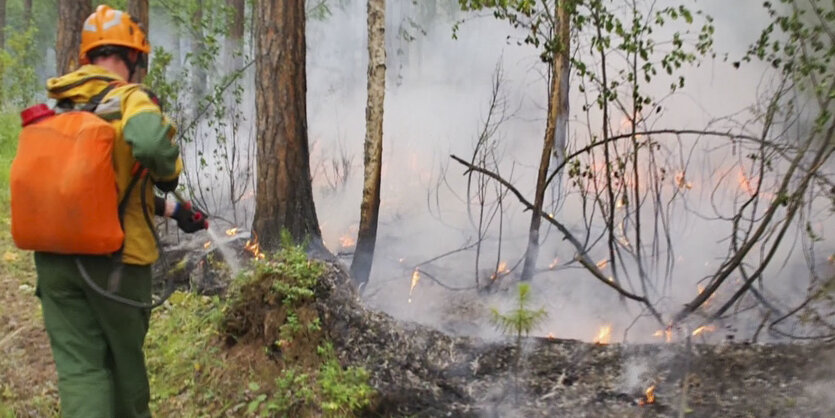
(285, 194)
(27, 13)
(370, 207)
(199, 76)
(2, 26)
(236, 30)
(71, 16)
(555, 130)
(138, 9)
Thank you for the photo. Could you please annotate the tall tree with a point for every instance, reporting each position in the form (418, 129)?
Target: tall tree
(555, 129)
(71, 16)
(285, 193)
(27, 13)
(138, 9)
(370, 207)
(2, 42)
(236, 29)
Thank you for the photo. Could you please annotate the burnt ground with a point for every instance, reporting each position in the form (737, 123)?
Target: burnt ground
(423, 372)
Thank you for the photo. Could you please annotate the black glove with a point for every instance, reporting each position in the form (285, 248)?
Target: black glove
(167, 186)
(189, 219)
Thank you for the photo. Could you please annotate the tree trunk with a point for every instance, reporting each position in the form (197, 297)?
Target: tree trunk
(557, 118)
(138, 9)
(71, 16)
(199, 76)
(235, 40)
(285, 195)
(236, 30)
(2, 46)
(370, 207)
(27, 13)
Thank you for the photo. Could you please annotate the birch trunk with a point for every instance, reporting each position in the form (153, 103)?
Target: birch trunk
(373, 158)
(285, 197)
(555, 132)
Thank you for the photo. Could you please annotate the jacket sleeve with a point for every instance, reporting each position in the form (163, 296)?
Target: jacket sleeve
(151, 136)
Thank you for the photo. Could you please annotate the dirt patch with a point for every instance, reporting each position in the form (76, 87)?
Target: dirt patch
(28, 381)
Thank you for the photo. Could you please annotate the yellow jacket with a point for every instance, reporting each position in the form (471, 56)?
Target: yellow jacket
(143, 134)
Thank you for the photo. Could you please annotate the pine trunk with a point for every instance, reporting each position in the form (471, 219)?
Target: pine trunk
(139, 10)
(236, 30)
(27, 13)
(71, 16)
(555, 127)
(285, 197)
(370, 207)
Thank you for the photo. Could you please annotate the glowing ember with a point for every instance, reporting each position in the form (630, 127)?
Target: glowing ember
(604, 335)
(603, 263)
(551, 336)
(700, 288)
(347, 242)
(231, 232)
(254, 248)
(554, 264)
(649, 396)
(415, 280)
(704, 328)
(207, 244)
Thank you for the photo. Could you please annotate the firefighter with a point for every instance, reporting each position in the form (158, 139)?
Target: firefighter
(97, 342)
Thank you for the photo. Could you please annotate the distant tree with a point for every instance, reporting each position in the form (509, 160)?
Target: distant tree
(139, 10)
(27, 13)
(71, 16)
(370, 207)
(285, 193)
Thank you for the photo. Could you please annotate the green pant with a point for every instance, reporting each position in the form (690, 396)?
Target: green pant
(96, 343)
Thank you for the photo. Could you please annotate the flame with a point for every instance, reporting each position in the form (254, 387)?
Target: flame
(745, 183)
(551, 336)
(347, 242)
(666, 333)
(502, 270)
(649, 396)
(604, 335)
(415, 280)
(207, 244)
(554, 264)
(253, 247)
(704, 328)
(603, 263)
(231, 232)
(681, 181)
(620, 203)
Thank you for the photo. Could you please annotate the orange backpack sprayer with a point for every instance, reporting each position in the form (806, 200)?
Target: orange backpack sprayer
(64, 196)
(63, 186)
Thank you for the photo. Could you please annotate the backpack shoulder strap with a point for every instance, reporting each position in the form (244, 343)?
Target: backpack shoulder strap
(95, 101)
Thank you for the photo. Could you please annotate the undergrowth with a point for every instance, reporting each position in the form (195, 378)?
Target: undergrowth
(261, 352)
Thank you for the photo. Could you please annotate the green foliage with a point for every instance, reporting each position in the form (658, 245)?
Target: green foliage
(521, 320)
(179, 344)
(9, 129)
(343, 390)
(17, 62)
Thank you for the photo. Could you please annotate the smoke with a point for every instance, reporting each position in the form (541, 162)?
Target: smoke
(437, 95)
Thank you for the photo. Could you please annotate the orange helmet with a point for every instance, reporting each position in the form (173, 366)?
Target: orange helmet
(111, 27)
